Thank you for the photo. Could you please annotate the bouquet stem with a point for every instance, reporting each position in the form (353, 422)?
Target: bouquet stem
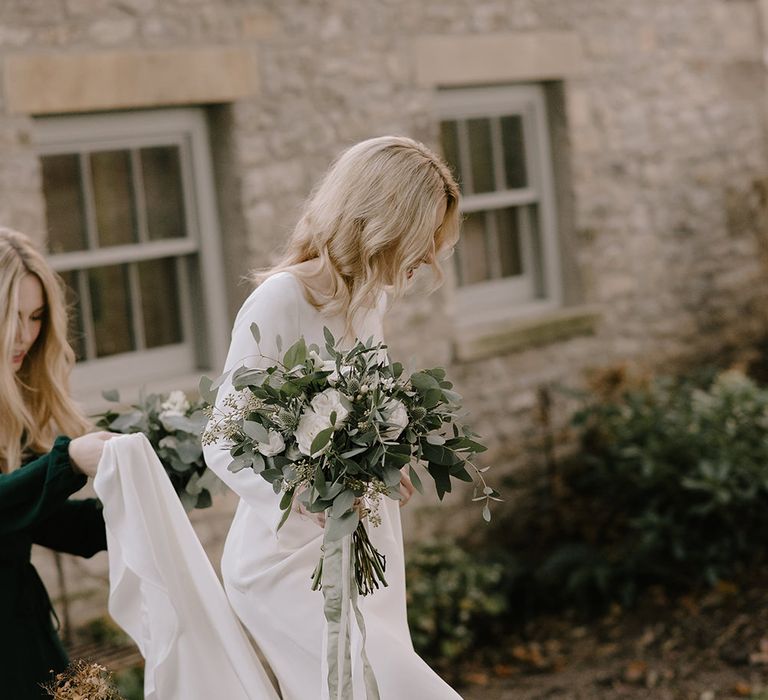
(369, 564)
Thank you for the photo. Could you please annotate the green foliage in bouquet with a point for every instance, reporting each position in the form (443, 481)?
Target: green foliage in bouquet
(454, 601)
(333, 433)
(676, 477)
(173, 427)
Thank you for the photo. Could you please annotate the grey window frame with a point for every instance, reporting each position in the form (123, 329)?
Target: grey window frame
(198, 255)
(515, 296)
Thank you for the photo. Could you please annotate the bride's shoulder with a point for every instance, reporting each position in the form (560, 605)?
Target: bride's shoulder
(279, 292)
(280, 286)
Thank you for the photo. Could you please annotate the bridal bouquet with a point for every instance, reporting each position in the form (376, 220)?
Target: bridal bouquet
(173, 427)
(333, 434)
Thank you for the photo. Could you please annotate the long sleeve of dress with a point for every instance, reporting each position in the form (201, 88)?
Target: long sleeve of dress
(76, 527)
(36, 491)
(273, 307)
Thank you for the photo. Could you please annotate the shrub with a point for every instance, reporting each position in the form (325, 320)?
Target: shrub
(454, 601)
(675, 476)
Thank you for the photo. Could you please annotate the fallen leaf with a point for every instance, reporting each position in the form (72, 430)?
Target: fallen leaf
(635, 671)
(743, 690)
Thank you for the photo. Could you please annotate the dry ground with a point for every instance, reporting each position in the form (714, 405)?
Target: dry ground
(709, 646)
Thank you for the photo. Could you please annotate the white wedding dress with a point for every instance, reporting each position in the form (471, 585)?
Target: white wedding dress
(267, 573)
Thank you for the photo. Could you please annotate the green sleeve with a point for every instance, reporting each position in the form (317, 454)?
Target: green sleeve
(76, 527)
(35, 491)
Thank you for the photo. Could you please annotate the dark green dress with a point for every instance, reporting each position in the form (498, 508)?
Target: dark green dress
(35, 508)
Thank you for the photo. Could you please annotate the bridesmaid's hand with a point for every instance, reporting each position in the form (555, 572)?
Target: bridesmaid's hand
(406, 489)
(85, 451)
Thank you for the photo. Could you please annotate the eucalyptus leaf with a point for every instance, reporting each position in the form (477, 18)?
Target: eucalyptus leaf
(423, 382)
(439, 454)
(416, 480)
(206, 390)
(256, 333)
(338, 528)
(296, 354)
(342, 503)
(112, 395)
(392, 476)
(258, 465)
(283, 518)
(129, 422)
(321, 440)
(256, 431)
(237, 464)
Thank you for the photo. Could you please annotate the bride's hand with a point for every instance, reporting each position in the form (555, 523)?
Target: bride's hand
(406, 489)
(317, 518)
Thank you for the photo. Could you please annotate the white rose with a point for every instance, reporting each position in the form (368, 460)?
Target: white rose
(327, 402)
(396, 415)
(175, 405)
(275, 445)
(310, 425)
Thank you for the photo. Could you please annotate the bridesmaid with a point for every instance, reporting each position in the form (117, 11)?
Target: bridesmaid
(387, 206)
(38, 471)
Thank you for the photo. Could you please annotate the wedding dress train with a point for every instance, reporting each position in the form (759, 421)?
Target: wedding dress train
(163, 590)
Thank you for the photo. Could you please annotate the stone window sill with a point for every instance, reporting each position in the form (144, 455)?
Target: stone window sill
(487, 339)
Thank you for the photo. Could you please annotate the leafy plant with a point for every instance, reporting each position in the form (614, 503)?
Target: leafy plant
(676, 478)
(173, 427)
(454, 600)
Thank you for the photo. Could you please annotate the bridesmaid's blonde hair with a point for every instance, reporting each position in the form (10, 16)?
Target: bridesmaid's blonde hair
(34, 402)
(376, 214)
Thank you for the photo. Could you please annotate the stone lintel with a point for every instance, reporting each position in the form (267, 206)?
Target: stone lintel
(51, 83)
(451, 61)
(517, 335)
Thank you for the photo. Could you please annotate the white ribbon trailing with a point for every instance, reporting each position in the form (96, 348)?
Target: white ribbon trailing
(164, 592)
(340, 597)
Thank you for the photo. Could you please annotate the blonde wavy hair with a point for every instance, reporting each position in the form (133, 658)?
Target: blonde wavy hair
(376, 215)
(35, 403)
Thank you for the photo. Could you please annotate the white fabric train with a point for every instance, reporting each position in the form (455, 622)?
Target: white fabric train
(163, 590)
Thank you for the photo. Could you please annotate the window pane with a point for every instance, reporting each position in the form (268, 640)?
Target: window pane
(472, 256)
(113, 197)
(481, 154)
(62, 187)
(111, 304)
(532, 221)
(449, 137)
(160, 302)
(75, 332)
(510, 251)
(514, 151)
(163, 193)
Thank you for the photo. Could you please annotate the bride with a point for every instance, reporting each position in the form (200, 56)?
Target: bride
(386, 206)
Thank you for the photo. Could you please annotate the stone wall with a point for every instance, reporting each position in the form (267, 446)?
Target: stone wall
(661, 151)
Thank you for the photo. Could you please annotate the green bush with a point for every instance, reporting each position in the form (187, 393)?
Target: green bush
(454, 601)
(674, 477)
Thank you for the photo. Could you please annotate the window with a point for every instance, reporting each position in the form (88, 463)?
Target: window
(132, 230)
(496, 140)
